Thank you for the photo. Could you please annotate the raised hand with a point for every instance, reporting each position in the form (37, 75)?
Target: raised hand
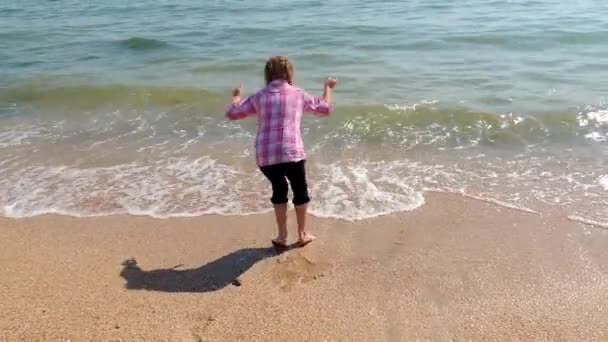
(331, 82)
(236, 92)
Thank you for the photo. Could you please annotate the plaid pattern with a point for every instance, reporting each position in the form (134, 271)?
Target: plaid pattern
(279, 108)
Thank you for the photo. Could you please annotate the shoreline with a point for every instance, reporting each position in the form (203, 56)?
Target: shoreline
(484, 200)
(455, 268)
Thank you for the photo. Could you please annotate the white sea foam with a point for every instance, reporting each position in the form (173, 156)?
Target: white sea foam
(182, 187)
(596, 136)
(500, 203)
(406, 107)
(600, 116)
(18, 136)
(597, 119)
(161, 178)
(356, 191)
(347, 189)
(603, 182)
(589, 222)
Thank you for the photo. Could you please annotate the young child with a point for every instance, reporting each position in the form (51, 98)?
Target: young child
(279, 148)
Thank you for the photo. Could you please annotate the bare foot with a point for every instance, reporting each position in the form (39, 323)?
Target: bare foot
(305, 239)
(279, 243)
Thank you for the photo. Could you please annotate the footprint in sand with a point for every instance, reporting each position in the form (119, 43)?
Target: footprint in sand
(293, 269)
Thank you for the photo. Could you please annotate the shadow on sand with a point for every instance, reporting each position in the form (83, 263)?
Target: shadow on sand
(213, 276)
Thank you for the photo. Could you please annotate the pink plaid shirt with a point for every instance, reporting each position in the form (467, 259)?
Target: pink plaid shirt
(279, 108)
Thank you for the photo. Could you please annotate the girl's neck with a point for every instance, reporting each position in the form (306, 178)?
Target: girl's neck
(278, 81)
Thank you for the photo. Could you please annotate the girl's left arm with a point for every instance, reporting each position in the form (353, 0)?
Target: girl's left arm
(320, 106)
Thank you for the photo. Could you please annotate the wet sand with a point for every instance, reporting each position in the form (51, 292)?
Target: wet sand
(457, 268)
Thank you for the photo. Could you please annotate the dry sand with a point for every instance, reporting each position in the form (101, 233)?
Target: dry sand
(456, 269)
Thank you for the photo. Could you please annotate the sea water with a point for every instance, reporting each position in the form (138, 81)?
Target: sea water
(111, 107)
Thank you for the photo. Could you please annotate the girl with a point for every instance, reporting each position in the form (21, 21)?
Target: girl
(279, 148)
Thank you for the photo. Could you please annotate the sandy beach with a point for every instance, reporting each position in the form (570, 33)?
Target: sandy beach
(459, 188)
(456, 269)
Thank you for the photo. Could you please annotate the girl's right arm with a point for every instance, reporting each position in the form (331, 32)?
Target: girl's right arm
(328, 87)
(240, 109)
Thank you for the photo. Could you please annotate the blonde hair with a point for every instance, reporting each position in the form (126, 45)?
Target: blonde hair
(278, 68)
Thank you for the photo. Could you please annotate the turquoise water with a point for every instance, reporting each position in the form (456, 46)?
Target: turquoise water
(114, 106)
(502, 55)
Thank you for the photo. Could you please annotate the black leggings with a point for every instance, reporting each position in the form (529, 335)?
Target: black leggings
(278, 175)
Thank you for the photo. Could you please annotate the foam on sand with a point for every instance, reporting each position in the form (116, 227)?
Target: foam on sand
(588, 221)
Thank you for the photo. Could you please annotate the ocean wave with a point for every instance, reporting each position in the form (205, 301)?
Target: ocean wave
(139, 43)
(184, 187)
(423, 124)
(595, 120)
(348, 189)
(589, 222)
(603, 182)
(47, 96)
(19, 136)
(500, 203)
